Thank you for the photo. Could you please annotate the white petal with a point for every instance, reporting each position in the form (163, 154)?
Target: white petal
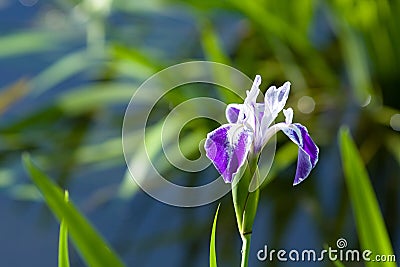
(275, 99)
(288, 115)
(251, 97)
(247, 117)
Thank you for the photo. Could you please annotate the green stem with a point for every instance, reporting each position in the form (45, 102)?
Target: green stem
(245, 249)
(245, 202)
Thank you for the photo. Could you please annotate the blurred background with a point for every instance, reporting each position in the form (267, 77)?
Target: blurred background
(70, 67)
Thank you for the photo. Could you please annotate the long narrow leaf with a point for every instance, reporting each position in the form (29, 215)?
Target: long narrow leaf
(28, 42)
(93, 249)
(370, 225)
(63, 258)
(213, 254)
(211, 44)
(66, 67)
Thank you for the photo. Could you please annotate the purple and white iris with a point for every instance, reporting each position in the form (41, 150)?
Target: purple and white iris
(249, 129)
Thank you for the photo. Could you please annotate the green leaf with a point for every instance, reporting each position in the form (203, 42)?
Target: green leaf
(66, 67)
(89, 97)
(357, 65)
(22, 43)
(392, 143)
(336, 262)
(12, 94)
(91, 246)
(63, 259)
(213, 254)
(25, 192)
(370, 225)
(211, 44)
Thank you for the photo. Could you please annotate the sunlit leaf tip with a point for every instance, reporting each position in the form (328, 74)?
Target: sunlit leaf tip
(213, 254)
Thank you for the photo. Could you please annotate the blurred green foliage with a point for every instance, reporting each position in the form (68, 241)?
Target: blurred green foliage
(94, 250)
(370, 226)
(70, 69)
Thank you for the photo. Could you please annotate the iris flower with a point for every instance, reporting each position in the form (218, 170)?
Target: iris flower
(250, 127)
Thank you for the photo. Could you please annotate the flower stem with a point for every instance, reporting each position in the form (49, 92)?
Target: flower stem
(245, 249)
(245, 202)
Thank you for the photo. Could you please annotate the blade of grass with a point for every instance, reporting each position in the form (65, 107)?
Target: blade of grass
(86, 98)
(21, 43)
(213, 254)
(392, 143)
(211, 44)
(63, 258)
(370, 225)
(93, 249)
(336, 262)
(68, 66)
(356, 63)
(12, 94)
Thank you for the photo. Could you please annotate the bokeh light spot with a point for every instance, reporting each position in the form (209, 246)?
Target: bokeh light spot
(306, 104)
(395, 122)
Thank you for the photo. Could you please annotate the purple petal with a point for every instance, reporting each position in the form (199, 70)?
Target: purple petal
(232, 112)
(227, 147)
(308, 151)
